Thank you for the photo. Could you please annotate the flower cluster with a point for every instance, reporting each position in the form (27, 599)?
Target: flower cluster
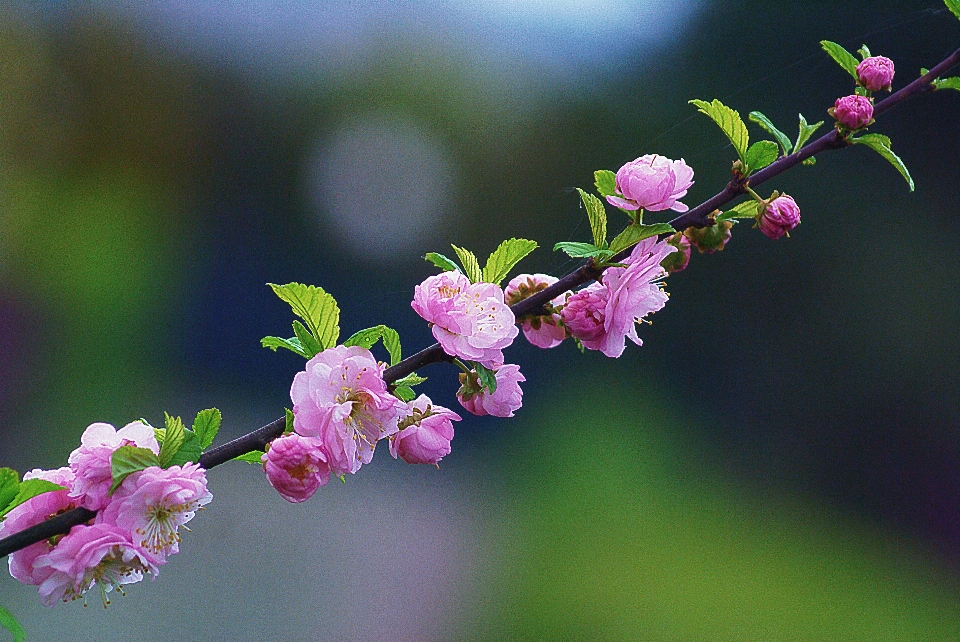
(135, 530)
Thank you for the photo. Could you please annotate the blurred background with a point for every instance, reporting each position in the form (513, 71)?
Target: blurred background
(781, 458)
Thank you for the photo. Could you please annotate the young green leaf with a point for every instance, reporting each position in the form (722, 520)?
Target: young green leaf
(487, 377)
(129, 459)
(318, 309)
(579, 250)
(881, 144)
(605, 181)
(412, 379)
(843, 57)
(746, 209)
(947, 83)
(189, 452)
(441, 262)
(597, 215)
(953, 6)
(761, 154)
(252, 457)
(288, 420)
(729, 121)
(471, 267)
(766, 124)
(28, 489)
(806, 131)
(404, 393)
(391, 341)
(175, 436)
(9, 485)
(293, 344)
(10, 623)
(310, 345)
(864, 52)
(810, 161)
(160, 434)
(207, 425)
(633, 234)
(368, 338)
(505, 258)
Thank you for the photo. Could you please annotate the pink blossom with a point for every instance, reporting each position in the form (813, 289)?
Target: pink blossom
(91, 461)
(31, 512)
(584, 313)
(152, 504)
(470, 320)
(779, 216)
(296, 466)
(543, 331)
(875, 73)
(654, 183)
(425, 433)
(506, 399)
(100, 554)
(853, 112)
(341, 398)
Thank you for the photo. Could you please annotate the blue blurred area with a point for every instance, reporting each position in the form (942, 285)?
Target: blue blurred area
(160, 162)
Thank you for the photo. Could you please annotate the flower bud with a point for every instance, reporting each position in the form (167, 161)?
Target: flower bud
(296, 466)
(875, 73)
(709, 239)
(778, 216)
(654, 183)
(677, 261)
(583, 315)
(852, 112)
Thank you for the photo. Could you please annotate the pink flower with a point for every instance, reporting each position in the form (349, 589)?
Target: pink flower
(654, 183)
(543, 331)
(32, 512)
(99, 554)
(506, 399)
(91, 461)
(296, 466)
(875, 73)
(678, 261)
(341, 398)
(604, 315)
(425, 433)
(853, 112)
(779, 216)
(470, 320)
(152, 504)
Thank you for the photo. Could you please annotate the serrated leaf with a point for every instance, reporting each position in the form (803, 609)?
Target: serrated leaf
(761, 154)
(764, 122)
(579, 250)
(729, 121)
(404, 393)
(881, 144)
(309, 345)
(318, 310)
(953, 6)
(471, 267)
(9, 485)
(160, 434)
(292, 344)
(597, 215)
(746, 209)
(412, 379)
(189, 452)
(207, 425)
(806, 131)
(368, 338)
(10, 623)
(842, 57)
(129, 459)
(441, 262)
(635, 233)
(605, 181)
(947, 83)
(864, 52)
(252, 457)
(505, 257)
(391, 341)
(288, 418)
(176, 435)
(28, 489)
(487, 377)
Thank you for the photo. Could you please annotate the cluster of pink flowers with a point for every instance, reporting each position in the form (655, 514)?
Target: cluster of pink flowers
(135, 530)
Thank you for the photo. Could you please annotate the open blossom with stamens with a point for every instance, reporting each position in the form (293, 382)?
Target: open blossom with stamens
(503, 402)
(425, 433)
(296, 466)
(543, 331)
(152, 504)
(341, 399)
(101, 554)
(470, 320)
(653, 183)
(91, 461)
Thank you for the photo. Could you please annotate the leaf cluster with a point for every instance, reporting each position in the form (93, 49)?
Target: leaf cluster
(319, 311)
(498, 265)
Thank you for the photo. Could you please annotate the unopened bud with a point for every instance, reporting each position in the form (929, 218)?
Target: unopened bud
(677, 261)
(853, 112)
(711, 238)
(875, 73)
(778, 216)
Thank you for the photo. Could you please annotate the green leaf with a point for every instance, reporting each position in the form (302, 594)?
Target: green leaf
(881, 144)
(10, 623)
(635, 233)
(947, 83)
(288, 420)
(189, 452)
(471, 267)
(292, 344)
(746, 209)
(9, 485)
(729, 121)
(310, 345)
(766, 124)
(129, 459)
(318, 309)
(864, 52)
(953, 6)
(761, 154)
(441, 262)
(160, 434)
(487, 377)
(606, 182)
(579, 250)
(404, 393)
(597, 215)
(368, 338)
(505, 257)
(252, 457)
(28, 489)
(391, 341)
(412, 379)
(843, 57)
(810, 161)
(175, 436)
(207, 425)
(806, 131)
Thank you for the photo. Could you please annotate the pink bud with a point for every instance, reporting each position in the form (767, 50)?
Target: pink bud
(853, 112)
(779, 216)
(654, 183)
(584, 313)
(677, 261)
(543, 331)
(296, 466)
(425, 433)
(875, 73)
(505, 400)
